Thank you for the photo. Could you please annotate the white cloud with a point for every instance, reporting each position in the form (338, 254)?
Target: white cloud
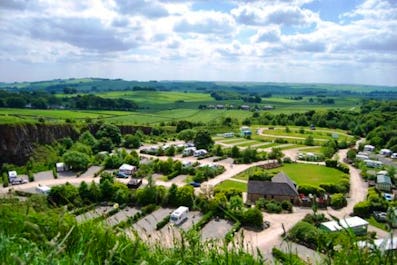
(272, 40)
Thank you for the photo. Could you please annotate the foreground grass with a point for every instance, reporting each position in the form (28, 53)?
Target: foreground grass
(32, 233)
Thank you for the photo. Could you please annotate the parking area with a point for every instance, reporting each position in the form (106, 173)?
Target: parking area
(91, 171)
(98, 211)
(147, 225)
(216, 229)
(66, 174)
(122, 215)
(44, 175)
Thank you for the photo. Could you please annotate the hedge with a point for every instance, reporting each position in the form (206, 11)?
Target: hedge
(287, 258)
(163, 222)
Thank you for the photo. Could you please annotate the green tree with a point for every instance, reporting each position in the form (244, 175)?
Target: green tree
(104, 144)
(76, 160)
(253, 217)
(183, 125)
(132, 141)
(94, 192)
(185, 196)
(309, 141)
(203, 140)
(236, 203)
(235, 152)
(88, 139)
(187, 135)
(82, 148)
(173, 195)
(111, 131)
(112, 162)
(84, 191)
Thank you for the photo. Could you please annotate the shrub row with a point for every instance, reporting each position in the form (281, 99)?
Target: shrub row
(229, 235)
(163, 222)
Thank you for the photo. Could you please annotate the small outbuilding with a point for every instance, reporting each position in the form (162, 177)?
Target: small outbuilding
(127, 169)
(358, 225)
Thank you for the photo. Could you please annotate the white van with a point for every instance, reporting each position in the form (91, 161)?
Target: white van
(200, 152)
(43, 189)
(179, 215)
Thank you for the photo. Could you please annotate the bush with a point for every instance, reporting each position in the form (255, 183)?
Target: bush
(305, 234)
(163, 222)
(287, 258)
(203, 221)
(172, 175)
(338, 201)
(315, 219)
(273, 207)
(5, 180)
(287, 206)
(148, 209)
(309, 189)
(252, 217)
(362, 209)
(229, 235)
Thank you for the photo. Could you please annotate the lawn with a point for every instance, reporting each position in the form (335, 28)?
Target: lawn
(230, 184)
(312, 174)
(303, 174)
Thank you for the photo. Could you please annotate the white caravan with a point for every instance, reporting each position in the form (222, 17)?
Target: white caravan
(179, 215)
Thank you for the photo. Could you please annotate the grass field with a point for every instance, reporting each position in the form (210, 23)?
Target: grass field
(230, 184)
(312, 174)
(306, 174)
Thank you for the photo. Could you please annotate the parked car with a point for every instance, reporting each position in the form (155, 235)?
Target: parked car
(380, 216)
(17, 181)
(122, 175)
(195, 184)
(134, 183)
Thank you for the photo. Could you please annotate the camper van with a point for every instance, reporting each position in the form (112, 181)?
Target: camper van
(42, 189)
(179, 215)
(200, 152)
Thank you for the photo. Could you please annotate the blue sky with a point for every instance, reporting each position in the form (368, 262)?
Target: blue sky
(310, 41)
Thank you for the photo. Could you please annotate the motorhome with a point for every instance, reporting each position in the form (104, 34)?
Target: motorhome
(42, 189)
(369, 148)
(386, 152)
(373, 163)
(179, 215)
(200, 152)
(188, 151)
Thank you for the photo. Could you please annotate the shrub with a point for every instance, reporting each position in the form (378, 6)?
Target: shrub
(309, 189)
(362, 209)
(273, 207)
(305, 234)
(163, 222)
(287, 258)
(5, 180)
(287, 206)
(253, 217)
(315, 219)
(338, 201)
(148, 209)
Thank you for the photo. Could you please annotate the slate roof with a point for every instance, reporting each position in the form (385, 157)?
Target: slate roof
(280, 185)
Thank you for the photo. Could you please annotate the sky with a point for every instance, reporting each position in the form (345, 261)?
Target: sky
(302, 41)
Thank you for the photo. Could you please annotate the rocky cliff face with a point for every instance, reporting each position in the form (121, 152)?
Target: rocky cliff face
(17, 140)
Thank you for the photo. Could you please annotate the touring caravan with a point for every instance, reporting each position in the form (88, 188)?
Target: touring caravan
(179, 215)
